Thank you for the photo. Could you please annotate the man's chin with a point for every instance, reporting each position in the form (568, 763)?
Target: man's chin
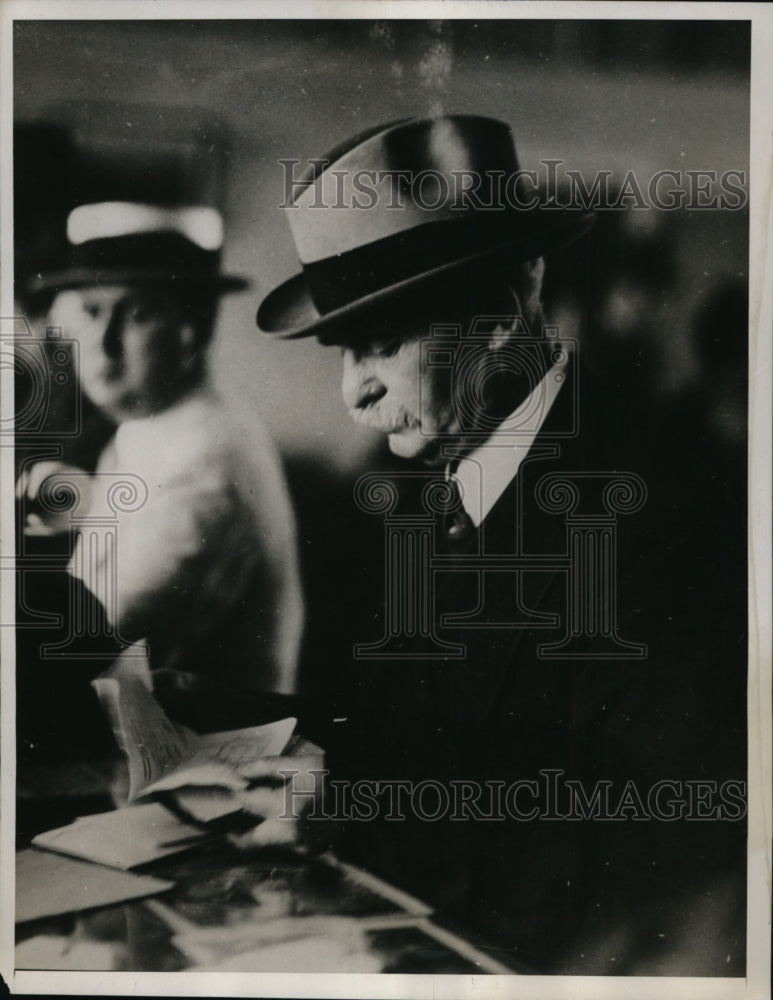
(116, 401)
(414, 445)
(101, 393)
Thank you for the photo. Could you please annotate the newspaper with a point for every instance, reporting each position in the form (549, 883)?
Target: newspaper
(163, 755)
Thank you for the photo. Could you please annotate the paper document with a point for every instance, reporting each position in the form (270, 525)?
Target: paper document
(164, 755)
(122, 838)
(49, 884)
(205, 804)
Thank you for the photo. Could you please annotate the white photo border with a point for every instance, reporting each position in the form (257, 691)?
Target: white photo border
(757, 982)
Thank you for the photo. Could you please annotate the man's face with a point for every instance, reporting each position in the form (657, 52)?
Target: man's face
(132, 345)
(385, 386)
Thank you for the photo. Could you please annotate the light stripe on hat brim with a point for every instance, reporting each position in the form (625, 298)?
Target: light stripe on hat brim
(289, 313)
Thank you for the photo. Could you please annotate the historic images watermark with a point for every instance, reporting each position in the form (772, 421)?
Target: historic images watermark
(63, 497)
(551, 186)
(46, 373)
(591, 502)
(549, 796)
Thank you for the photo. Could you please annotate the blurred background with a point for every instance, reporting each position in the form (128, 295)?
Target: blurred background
(202, 111)
(213, 106)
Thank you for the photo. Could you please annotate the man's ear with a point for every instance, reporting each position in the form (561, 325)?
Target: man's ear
(514, 326)
(518, 324)
(524, 308)
(503, 333)
(530, 298)
(536, 270)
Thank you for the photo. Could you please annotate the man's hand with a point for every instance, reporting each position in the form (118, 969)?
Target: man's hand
(50, 491)
(286, 792)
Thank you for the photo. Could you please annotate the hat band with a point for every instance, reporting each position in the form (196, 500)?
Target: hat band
(338, 281)
(162, 251)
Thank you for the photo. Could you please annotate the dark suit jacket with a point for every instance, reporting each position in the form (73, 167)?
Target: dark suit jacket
(593, 896)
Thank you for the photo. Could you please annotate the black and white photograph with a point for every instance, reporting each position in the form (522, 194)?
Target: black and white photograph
(385, 447)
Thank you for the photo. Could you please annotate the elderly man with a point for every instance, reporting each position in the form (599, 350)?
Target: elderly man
(201, 562)
(558, 680)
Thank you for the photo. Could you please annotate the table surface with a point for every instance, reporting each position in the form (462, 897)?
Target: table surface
(231, 910)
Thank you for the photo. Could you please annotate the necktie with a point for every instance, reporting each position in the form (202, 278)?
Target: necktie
(457, 524)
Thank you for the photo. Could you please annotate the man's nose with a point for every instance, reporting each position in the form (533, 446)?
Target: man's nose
(111, 338)
(360, 385)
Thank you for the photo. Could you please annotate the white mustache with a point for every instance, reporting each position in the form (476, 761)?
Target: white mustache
(384, 417)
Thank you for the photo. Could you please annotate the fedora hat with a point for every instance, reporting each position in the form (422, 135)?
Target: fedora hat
(127, 243)
(417, 203)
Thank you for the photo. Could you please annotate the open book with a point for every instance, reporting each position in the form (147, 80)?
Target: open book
(164, 756)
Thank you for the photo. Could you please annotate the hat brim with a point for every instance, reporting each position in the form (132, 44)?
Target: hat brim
(56, 281)
(289, 313)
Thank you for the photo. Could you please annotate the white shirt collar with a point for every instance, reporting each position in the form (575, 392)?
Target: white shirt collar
(484, 474)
